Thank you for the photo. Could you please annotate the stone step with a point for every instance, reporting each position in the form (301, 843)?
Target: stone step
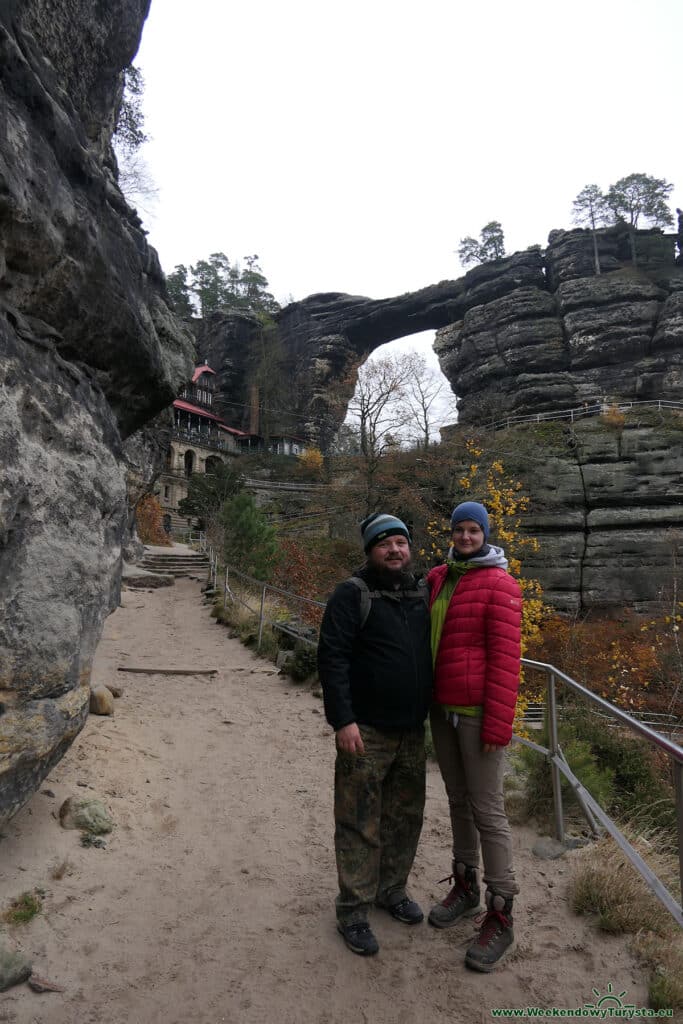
(173, 557)
(171, 566)
(178, 559)
(176, 565)
(178, 573)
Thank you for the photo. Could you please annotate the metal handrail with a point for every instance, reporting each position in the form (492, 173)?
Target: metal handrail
(558, 766)
(263, 621)
(671, 748)
(596, 409)
(284, 485)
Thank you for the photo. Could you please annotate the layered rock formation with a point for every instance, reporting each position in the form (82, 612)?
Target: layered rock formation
(572, 337)
(534, 332)
(88, 352)
(606, 506)
(232, 344)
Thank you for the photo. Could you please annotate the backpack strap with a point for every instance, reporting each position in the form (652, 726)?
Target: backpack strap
(367, 596)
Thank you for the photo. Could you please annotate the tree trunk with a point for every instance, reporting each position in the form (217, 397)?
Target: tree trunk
(596, 254)
(632, 242)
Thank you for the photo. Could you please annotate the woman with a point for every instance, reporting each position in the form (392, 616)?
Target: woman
(476, 609)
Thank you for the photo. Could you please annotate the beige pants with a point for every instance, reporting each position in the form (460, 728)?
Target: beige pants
(474, 784)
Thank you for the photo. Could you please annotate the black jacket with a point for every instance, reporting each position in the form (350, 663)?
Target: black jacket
(380, 674)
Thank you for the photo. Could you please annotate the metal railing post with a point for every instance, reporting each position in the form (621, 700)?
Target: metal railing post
(554, 746)
(678, 786)
(260, 618)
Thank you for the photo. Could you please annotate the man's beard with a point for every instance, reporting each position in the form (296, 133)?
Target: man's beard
(393, 572)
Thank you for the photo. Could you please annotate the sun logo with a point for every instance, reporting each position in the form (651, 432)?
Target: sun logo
(610, 999)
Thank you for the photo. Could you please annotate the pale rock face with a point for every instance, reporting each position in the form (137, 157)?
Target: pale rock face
(89, 351)
(606, 507)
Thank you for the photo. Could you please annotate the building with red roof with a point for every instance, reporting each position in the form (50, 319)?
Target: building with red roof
(201, 438)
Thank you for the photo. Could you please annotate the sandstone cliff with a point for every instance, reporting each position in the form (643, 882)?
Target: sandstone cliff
(89, 351)
(571, 337)
(606, 506)
(535, 332)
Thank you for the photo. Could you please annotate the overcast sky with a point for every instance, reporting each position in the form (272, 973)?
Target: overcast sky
(352, 145)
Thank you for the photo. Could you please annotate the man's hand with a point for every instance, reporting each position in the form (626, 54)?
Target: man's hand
(349, 739)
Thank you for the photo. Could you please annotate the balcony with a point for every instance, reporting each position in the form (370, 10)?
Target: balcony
(204, 440)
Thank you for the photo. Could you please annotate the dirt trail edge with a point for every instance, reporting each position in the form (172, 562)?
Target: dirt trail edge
(213, 900)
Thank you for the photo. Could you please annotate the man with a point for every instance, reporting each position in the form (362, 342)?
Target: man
(375, 668)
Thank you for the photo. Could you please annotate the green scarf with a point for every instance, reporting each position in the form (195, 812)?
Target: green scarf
(440, 606)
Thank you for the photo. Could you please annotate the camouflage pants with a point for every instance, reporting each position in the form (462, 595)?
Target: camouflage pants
(379, 801)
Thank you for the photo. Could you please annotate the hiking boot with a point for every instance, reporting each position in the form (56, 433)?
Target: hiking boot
(358, 937)
(406, 910)
(462, 900)
(495, 935)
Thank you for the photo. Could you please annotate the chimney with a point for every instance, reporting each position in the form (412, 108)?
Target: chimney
(254, 409)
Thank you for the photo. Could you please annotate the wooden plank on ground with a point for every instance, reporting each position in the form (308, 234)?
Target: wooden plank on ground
(169, 671)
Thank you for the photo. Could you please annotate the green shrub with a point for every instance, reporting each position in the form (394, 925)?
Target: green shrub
(598, 779)
(666, 983)
(626, 777)
(641, 786)
(24, 908)
(303, 664)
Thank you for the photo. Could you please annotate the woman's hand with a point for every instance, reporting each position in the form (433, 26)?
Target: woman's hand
(490, 748)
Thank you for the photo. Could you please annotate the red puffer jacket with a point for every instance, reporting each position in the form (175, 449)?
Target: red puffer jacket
(478, 662)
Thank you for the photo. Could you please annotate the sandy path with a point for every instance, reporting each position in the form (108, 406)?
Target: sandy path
(213, 900)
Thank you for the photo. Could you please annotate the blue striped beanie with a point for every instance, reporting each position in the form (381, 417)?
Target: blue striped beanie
(380, 525)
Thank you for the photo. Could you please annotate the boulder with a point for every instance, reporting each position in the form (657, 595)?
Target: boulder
(101, 701)
(87, 814)
(15, 968)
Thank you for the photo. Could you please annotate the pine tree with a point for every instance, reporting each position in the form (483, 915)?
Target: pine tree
(250, 544)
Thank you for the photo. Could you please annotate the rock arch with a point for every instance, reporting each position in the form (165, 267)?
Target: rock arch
(534, 331)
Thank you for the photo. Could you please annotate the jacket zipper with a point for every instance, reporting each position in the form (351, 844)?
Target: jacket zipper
(412, 654)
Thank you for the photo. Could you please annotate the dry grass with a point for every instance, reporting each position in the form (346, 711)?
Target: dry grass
(60, 869)
(665, 960)
(244, 622)
(605, 883)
